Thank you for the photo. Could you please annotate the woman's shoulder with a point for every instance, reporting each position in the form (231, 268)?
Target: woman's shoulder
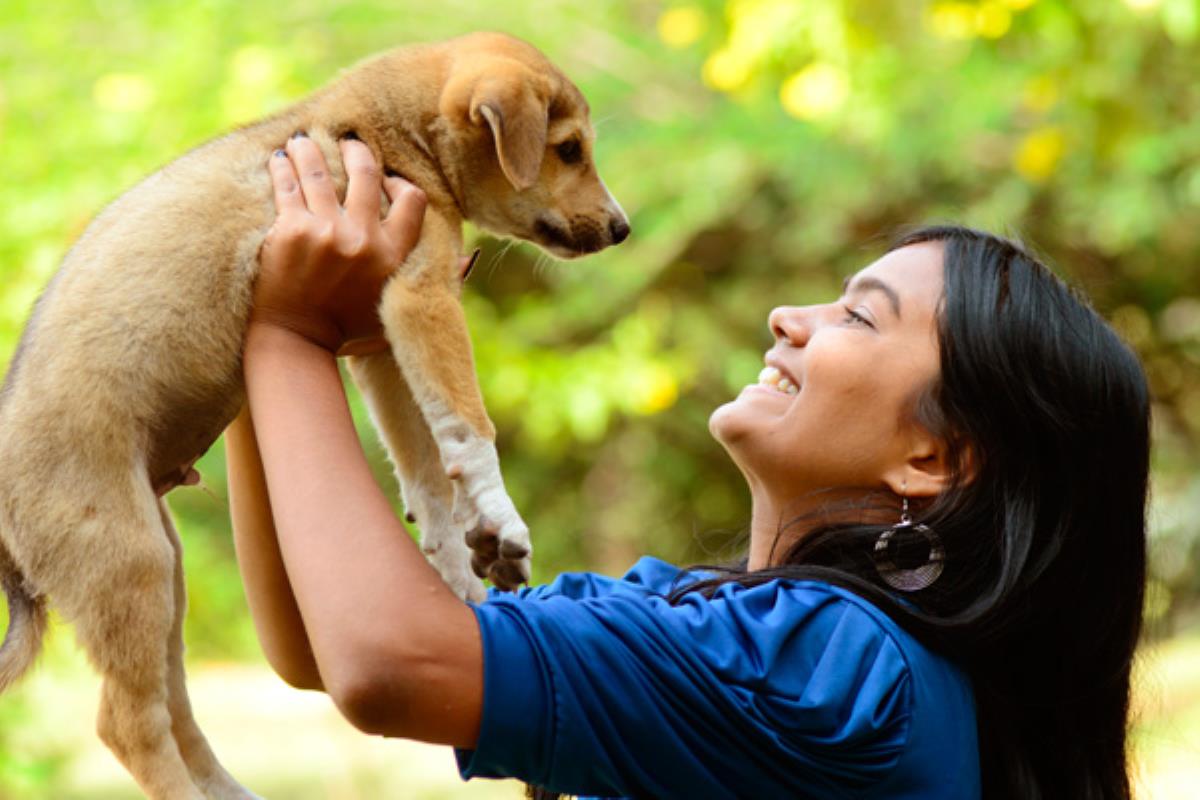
(782, 605)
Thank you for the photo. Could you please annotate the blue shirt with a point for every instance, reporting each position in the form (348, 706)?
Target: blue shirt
(599, 686)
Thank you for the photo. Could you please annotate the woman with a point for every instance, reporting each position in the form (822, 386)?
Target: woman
(943, 590)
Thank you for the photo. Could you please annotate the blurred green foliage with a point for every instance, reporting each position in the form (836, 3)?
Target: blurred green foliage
(762, 148)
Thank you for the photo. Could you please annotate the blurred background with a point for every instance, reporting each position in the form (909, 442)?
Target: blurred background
(763, 149)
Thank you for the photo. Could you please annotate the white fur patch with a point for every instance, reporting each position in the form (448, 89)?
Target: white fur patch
(442, 541)
(480, 492)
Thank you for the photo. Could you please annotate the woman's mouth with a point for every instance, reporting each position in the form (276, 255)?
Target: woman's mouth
(772, 378)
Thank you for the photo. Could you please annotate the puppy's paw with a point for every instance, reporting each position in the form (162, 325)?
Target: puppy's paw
(500, 556)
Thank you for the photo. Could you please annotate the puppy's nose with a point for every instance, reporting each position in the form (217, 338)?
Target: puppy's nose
(619, 228)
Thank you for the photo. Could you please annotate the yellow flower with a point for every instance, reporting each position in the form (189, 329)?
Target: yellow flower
(1039, 153)
(656, 390)
(992, 19)
(726, 71)
(815, 91)
(952, 20)
(681, 26)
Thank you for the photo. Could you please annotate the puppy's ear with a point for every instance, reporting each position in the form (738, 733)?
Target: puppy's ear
(511, 104)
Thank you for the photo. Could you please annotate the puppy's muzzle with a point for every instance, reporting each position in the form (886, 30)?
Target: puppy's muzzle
(581, 235)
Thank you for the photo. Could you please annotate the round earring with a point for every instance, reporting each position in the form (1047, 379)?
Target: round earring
(917, 578)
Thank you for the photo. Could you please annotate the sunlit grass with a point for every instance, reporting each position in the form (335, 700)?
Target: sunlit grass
(279, 742)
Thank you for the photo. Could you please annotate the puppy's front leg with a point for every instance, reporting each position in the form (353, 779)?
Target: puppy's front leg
(427, 330)
(427, 493)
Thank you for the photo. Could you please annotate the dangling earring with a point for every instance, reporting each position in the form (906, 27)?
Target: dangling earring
(909, 580)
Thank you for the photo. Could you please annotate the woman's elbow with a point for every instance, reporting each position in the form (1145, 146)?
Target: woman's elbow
(375, 703)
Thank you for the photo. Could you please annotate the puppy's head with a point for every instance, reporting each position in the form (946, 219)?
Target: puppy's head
(521, 147)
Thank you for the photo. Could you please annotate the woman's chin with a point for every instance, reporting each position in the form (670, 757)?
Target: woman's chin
(754, 403)
(728, 423)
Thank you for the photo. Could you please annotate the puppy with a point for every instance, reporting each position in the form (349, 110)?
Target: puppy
(130, 365)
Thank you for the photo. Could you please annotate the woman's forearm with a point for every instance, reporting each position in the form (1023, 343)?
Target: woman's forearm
(398, 652)
(269, 595)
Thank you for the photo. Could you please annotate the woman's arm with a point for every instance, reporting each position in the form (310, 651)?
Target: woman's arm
(397, 651)
(268, 592)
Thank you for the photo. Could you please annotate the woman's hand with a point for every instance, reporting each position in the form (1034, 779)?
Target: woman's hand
(323, 266)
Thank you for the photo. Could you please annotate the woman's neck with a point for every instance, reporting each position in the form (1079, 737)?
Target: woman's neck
(777, 523)
(770, 535)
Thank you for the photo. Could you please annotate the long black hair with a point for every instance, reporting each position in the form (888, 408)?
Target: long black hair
(1045, 412)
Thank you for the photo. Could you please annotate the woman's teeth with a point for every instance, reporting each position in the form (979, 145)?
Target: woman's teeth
(770, 376)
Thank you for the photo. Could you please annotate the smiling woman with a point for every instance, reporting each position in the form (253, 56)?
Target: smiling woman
(858, 364)
(931, 504)
(958, 372)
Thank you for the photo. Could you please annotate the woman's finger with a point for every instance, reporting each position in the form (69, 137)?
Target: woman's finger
(362, 188)
(364, 347)
(404, 218)
(287, 188)
(319, 194)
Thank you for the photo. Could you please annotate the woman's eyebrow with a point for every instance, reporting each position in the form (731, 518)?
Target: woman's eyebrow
(869, 284)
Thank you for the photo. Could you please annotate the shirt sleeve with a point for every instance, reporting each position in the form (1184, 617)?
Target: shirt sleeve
(783, 689)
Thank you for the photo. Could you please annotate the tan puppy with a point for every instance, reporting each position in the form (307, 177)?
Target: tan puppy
(130, 365)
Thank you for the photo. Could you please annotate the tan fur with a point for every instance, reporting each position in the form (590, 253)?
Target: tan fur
(130, 365)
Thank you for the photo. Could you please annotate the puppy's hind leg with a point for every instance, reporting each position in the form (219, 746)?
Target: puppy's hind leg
(121, 600)
(206, 771)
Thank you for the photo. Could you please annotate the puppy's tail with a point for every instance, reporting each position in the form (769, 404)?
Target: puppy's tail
(26, 624)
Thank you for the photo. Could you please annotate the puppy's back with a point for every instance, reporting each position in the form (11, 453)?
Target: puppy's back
(139, 332)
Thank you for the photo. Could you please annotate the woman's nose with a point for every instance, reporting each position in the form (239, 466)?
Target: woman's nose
(790, 323)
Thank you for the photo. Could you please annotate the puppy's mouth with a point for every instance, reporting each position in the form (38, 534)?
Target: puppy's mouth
(583, 236)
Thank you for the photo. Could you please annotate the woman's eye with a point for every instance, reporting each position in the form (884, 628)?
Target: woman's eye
(855, 318)
(570, 152)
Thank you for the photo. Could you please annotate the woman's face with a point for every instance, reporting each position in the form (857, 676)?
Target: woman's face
(833, 406)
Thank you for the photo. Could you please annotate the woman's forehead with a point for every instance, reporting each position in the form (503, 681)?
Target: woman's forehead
(913, 273)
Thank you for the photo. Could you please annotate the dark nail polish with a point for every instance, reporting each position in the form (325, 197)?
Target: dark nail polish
(280, 153)
(299, 135)
(391, 173)
(351, 135)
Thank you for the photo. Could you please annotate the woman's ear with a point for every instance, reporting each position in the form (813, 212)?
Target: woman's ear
(926, 470)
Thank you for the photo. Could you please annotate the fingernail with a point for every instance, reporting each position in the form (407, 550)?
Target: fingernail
(280, 153)
(391, 173)
(299, 135)
(351, 135)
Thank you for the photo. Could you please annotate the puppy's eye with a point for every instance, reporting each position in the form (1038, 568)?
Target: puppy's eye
(570, 151)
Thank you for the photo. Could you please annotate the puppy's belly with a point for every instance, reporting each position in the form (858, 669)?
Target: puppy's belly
(185, 431)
